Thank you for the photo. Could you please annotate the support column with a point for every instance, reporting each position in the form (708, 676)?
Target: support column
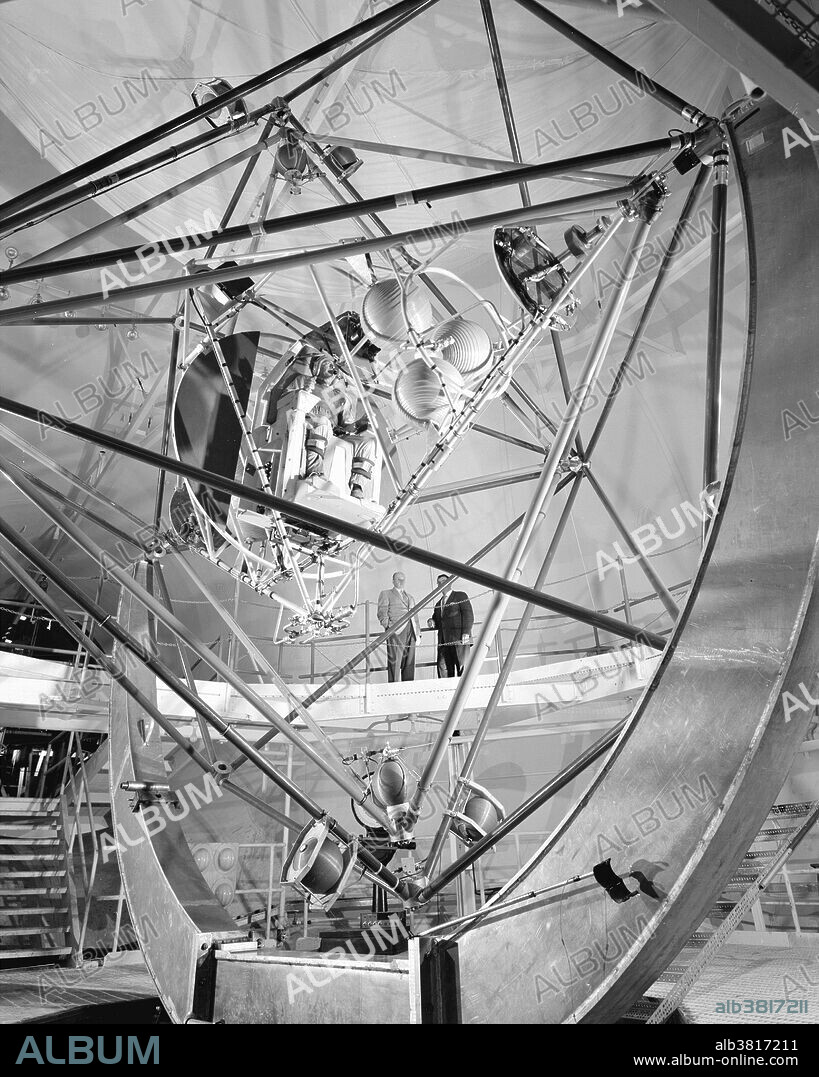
(716, 306)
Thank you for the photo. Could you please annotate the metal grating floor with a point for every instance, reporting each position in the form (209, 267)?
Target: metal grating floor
(739, 972)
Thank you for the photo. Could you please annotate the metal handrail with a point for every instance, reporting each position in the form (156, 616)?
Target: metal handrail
(627, 605)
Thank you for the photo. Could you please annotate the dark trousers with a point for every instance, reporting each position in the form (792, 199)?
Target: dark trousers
(451, 659)
(401, 656)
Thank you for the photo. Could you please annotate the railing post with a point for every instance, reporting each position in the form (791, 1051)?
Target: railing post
(794, 913)
(367, 657)
(73, 929)
(283, 891)
(624, 586)
(269, 907)
(85, 793)
(118, 920)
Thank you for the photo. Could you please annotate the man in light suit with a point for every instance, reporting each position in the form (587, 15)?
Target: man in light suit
(453, 617)
(392, 605)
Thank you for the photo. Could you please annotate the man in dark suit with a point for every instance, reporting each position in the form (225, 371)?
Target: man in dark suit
(453, 618)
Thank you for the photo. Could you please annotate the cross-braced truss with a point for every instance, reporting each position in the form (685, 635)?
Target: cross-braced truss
(422, 357)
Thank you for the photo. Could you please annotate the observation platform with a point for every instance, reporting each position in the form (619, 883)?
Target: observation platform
(39, 694)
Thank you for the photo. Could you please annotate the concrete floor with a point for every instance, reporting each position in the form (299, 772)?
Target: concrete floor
(45, 992)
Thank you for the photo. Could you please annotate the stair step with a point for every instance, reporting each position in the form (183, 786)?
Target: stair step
(46, 951)
(698, 941)
(59, 872)
(27, 910)
(31, 856)
(800, 808)
(762, 854)
(32, 891)
(7, 811)
(29, 841)
(740, 880)
(18, 824)
(642, 1009)
(783, 832)
(54, 929)
(669, 978)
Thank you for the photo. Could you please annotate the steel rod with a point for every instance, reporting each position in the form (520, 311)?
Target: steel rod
(74, 196)
(166, 420)
(716, 308)
(367, 206)
(374, 644)
(255, 802)
(538, 412)
(521, 813)
(163, 616)
(541, 500)
(456, 796)
(645, 564)
(275, 263)
(156, 200)
(357, 50)
(155, 572)
(322, 522)
(126, 319)
(670, 254)
(491, 164)
(170, 127)
(502, 905)
(244, 179)
(58, 469)
(257, 657)
(72, 506)
(503, 91)
(620, 67)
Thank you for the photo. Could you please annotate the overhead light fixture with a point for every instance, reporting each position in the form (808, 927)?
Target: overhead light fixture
(205, 92)
(344, 159)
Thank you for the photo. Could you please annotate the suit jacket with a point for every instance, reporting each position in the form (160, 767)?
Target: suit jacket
(453, 617)
(392, 606)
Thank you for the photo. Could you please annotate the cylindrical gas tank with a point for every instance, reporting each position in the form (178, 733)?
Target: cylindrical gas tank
(421, 391)
(463, 343)
(291, 160)
(382, 317)
(327, 868)
(390, 783)
(483, 812)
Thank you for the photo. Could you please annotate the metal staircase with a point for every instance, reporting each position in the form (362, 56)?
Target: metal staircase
(784, 827)
(37, 900)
